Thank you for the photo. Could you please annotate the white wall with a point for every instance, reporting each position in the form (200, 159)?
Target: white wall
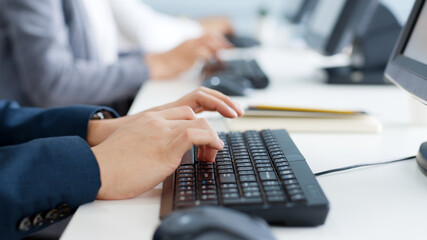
(244, 13)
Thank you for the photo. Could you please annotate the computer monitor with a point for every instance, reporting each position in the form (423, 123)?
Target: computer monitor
(330, 26)
(297, 10)
(408, 64)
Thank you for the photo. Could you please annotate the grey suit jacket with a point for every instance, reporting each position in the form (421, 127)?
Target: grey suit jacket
(47, 58)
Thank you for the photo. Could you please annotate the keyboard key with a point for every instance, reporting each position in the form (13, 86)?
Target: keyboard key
(230, 195)
(252, 194)
(283, 168)
(249, 184)
(225, 167)
(208, 197)
(205, 176)
(244, 161)
(208, 191)
(230, 170)
(287, 176)
(265, 169)
(247, 178)
(262, 161)
(246, 173)
(227, 178)
(245, 168)
(264, 165)
(185, 198)
(203, 187)
(242, 201)
(267, 176)
(186, 170)
(270, 183)
(251, 189)
(272, 188)
(229, 185)
(290, 182)
(285, 172)
(230, 190)
(243, 164)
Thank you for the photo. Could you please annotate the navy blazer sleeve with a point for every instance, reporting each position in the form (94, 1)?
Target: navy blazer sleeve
(18, 125)
(45, 179)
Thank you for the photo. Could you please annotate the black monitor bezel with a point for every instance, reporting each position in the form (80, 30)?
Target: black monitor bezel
(405, 72)
(335, 42)
(306, 6)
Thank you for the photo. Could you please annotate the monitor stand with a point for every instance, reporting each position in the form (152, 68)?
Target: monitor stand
(353, 75)
(422, 158)
(372, 46)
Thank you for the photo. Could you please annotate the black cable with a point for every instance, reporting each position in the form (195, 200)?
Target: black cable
(360, 165)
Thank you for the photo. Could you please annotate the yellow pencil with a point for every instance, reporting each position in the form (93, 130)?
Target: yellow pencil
(298, 109)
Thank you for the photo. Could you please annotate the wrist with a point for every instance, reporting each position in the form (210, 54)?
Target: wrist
(99, 130)
(157, 65)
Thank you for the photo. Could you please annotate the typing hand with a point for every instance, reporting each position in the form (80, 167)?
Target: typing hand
(202, 99)
(170, 64)
(143, 152)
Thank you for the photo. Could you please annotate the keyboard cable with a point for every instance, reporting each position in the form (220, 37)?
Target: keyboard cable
(361, 165)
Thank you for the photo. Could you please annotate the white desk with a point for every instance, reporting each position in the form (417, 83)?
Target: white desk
(386, 202)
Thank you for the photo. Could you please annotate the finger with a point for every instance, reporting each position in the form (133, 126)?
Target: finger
(205, 53)
(207, 154)
(235, 106)
(178, 113)
(211, 103)
(219, 41)
(194, 136)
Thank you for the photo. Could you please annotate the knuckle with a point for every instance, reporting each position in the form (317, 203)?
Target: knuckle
(155, 123)
(203, 122)
(188, 111)
(186, 134)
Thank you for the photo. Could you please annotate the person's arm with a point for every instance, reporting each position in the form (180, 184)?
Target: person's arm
(44, 181)
(19, 125)
(50, 73)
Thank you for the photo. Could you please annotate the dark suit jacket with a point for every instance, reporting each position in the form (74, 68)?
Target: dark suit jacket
(47, 169)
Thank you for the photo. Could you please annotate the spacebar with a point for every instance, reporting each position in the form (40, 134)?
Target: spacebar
(236, 201)
(188, 158)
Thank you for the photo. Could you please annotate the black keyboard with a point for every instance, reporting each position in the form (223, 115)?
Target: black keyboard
(246, 69)
(242, 41)
(259, 173)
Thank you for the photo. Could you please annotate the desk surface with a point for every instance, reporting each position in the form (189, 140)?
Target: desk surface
(372, 203)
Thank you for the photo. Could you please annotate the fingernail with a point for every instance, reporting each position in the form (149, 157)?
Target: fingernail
(233, 112)
(240, 108)
(221, 143)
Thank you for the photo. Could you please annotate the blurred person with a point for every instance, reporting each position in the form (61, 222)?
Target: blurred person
(54, 160)
(52, 54)
(140, 25)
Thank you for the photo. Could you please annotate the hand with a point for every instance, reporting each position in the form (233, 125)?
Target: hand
(142, 153)
(220, 25)
(202, 99)
(170, 64)
(205, 99)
